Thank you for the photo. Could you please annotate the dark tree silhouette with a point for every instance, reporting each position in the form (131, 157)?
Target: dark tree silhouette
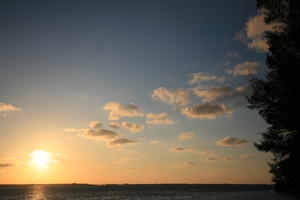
(277, 96)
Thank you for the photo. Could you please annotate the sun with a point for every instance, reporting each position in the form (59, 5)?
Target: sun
(41, 159)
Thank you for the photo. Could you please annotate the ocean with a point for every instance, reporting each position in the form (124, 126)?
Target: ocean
(141, 192)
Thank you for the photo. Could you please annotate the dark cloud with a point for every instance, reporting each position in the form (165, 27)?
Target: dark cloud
(206, 110)
(121, 141)
(6, 165)
(100, 133)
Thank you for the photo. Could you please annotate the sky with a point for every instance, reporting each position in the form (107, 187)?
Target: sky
(130, 91)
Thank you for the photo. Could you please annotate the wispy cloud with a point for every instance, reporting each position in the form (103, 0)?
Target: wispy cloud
(206, 111)
(119, 110)
(192, 150)
(6, 108)
(158, 118)
(187, 135)
(203, 76)
(160, 121)
(231, 141)
(244, 69)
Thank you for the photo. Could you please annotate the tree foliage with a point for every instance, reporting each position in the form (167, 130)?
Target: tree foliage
(276, 97)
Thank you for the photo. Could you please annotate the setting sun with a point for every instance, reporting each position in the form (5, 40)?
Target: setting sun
(41, 159)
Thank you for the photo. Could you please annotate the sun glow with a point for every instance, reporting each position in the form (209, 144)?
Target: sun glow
(41, 159)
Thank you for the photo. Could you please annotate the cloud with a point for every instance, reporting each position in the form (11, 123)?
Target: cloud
(119, 110)
(203, 76)
(115, 125)
(254, 32)
(211, 94)
(181, 149)
(186, 135)
(231, 141)
(5, 108)
(247, 156)
(157, 115)
(206, 111)
(178, 97)
(227, 158)
(158, 118)
(176, 149)
(245, 68)
(6, 165)
(259, 43)
(211, 159)
(121, 141)
(111, 137)
(256, 26)
(134, 128)
(95, 124)
(102, 134)
(160, 121)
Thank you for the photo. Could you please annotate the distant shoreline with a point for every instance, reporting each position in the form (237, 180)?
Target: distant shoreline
(141, 184)
(143, 191)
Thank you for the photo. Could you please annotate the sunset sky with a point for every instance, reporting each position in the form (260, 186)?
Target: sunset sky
(130, 92)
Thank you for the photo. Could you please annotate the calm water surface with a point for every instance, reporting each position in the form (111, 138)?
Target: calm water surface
(140, 192)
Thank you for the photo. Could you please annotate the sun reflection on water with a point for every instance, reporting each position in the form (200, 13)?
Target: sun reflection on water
(38, 192)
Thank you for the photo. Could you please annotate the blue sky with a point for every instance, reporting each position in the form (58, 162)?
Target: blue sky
(61, 62)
